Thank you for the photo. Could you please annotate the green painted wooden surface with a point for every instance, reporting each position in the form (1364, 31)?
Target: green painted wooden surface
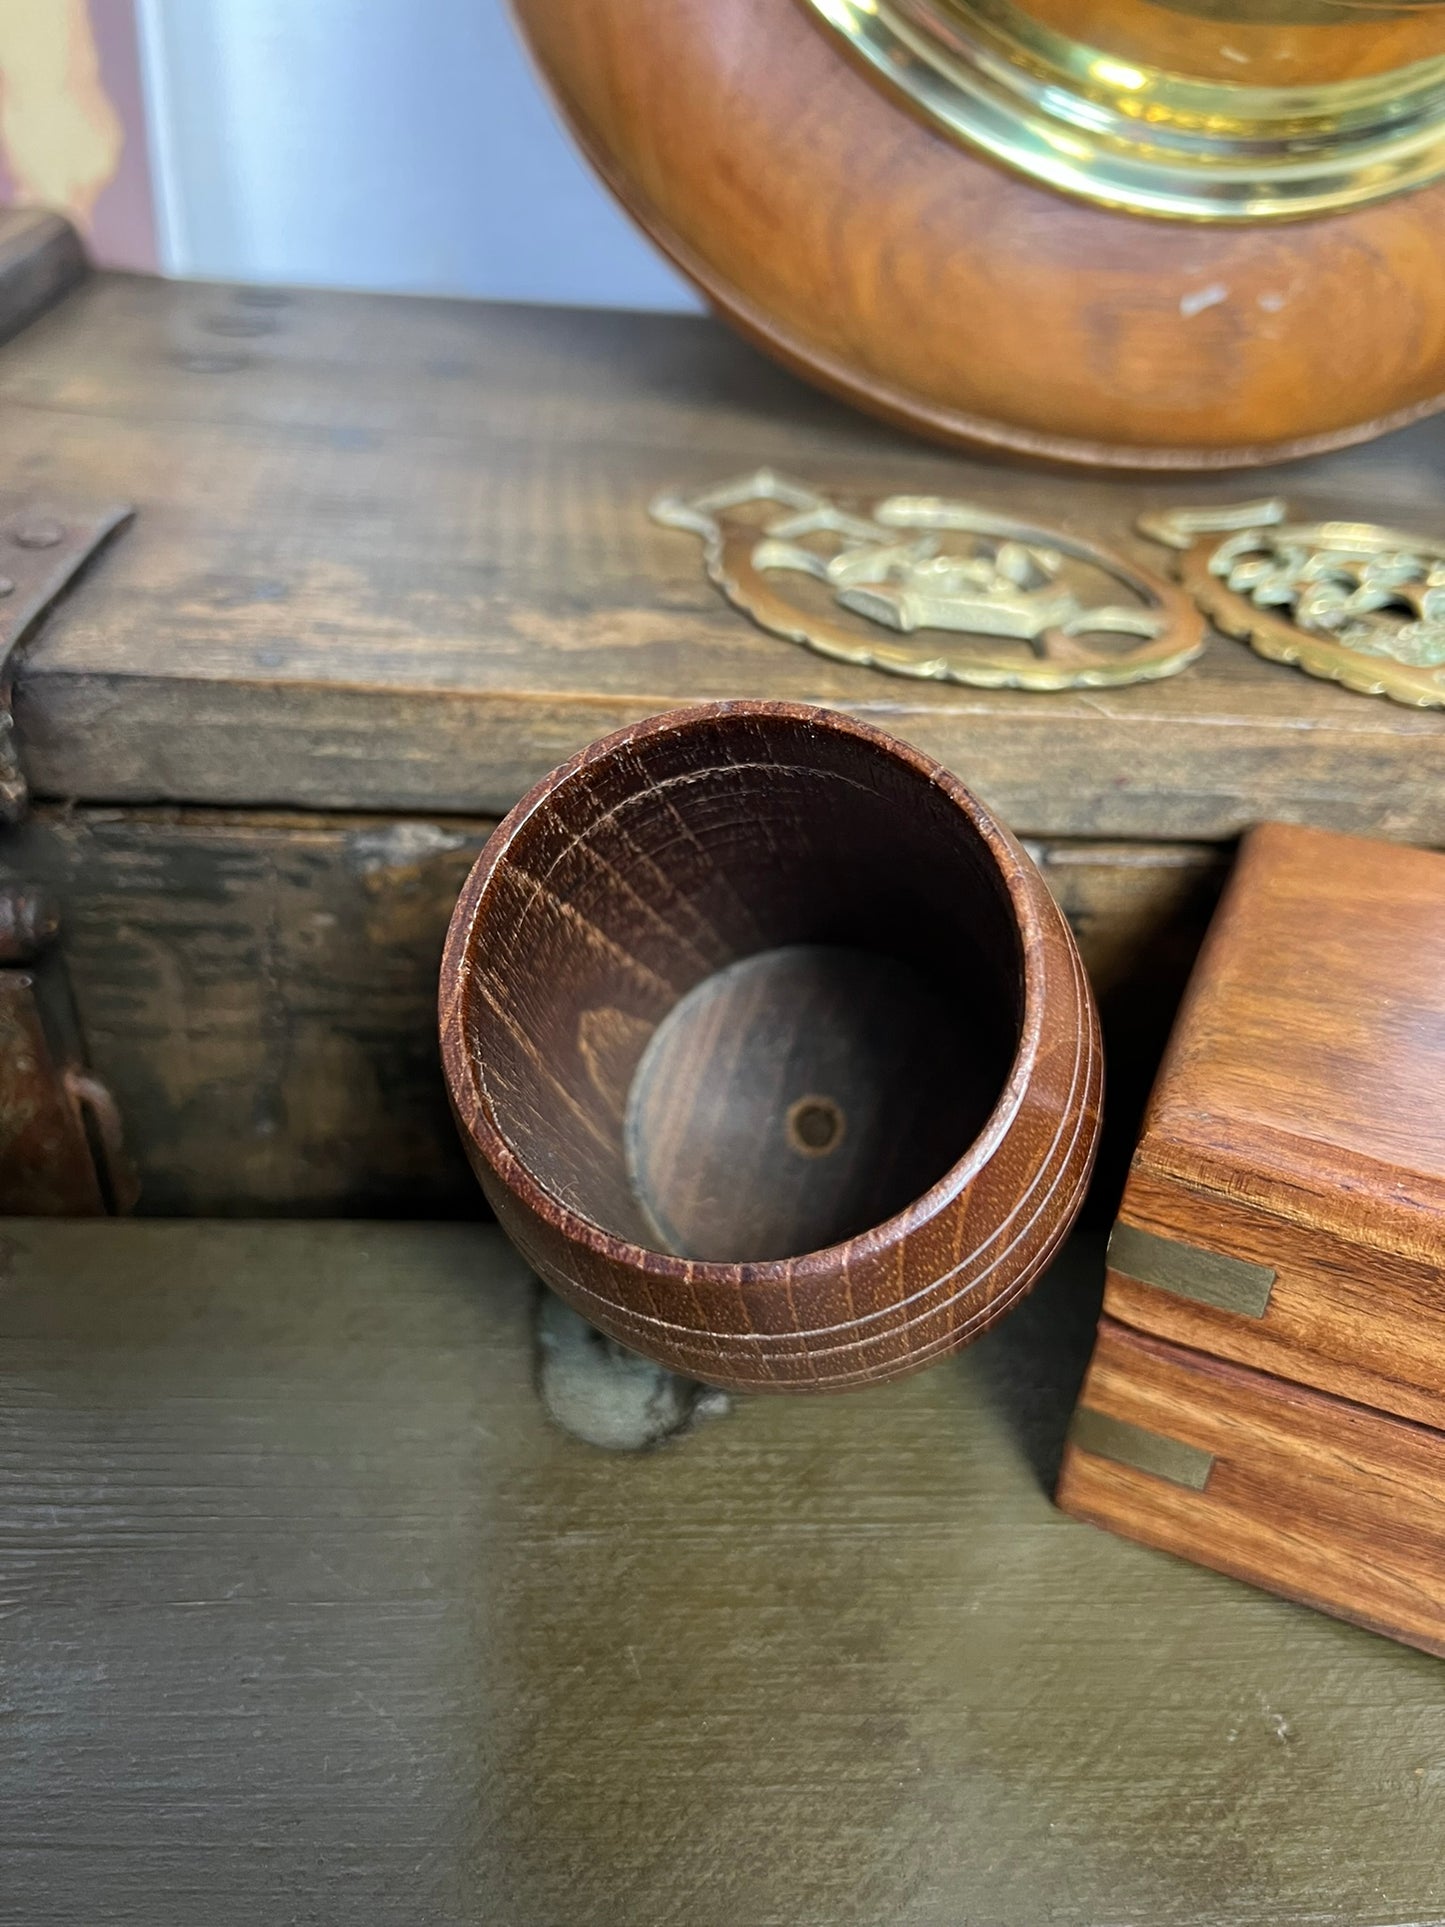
(310, 1616)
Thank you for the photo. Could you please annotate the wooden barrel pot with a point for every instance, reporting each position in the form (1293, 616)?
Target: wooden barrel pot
(772, 1051)
(791, 167)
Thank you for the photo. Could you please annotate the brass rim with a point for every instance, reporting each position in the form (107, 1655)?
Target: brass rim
(1140, 138)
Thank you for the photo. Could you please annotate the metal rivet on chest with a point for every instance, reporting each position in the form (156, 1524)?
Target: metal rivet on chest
(39, 535)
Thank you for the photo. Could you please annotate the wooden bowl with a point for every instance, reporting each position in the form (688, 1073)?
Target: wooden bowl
(772, 1051)
(922, 280)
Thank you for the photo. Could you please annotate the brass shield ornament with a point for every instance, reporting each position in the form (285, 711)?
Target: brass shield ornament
(1352, 602)
(918, 585)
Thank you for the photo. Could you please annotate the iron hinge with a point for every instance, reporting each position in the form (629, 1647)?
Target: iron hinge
(61, 1150)
(42, 548)
(61, 1153)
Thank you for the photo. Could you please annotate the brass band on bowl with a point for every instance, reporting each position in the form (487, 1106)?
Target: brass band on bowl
(1152, 139)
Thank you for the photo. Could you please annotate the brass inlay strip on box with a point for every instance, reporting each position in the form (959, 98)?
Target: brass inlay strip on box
(1229, 1284)
(1125, 1444)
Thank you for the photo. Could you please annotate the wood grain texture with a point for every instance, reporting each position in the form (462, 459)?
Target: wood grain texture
(657, 861)
(1316, 1498)
(259, 991)
(1299, 1121)
(803, 1094)
(41, 259)
(1313, 1039)
(395, 555)
(310, 1613)
(259, 994)
(922, 281)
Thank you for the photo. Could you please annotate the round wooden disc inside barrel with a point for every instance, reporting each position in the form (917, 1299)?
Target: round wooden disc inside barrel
(799, 1096)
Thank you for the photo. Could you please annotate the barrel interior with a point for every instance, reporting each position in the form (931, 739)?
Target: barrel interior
(744, 987)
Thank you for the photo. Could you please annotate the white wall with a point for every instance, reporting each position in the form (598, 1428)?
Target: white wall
(394, 144)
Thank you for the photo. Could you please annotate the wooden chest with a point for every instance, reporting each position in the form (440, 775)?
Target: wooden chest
(1268, 1391)
(390, 561)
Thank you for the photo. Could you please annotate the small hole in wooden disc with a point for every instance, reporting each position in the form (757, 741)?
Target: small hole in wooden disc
(815, 1126)
(796, 1097)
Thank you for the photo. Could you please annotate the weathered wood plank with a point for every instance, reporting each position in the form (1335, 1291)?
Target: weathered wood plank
(259, 991)
(40, 260)
(395, 555)
(260, 997)
(310, 1614)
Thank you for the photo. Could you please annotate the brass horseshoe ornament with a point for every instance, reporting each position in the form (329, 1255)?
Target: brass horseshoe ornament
(906, 566)
(1351, 602)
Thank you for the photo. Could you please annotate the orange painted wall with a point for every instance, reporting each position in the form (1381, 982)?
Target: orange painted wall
(72, 122)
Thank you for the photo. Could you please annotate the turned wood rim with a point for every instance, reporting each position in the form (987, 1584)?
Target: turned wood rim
(472, 1105)
(933, 419)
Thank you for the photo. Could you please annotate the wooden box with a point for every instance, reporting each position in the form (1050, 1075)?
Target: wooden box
(1268, 1390)
(390, 561)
